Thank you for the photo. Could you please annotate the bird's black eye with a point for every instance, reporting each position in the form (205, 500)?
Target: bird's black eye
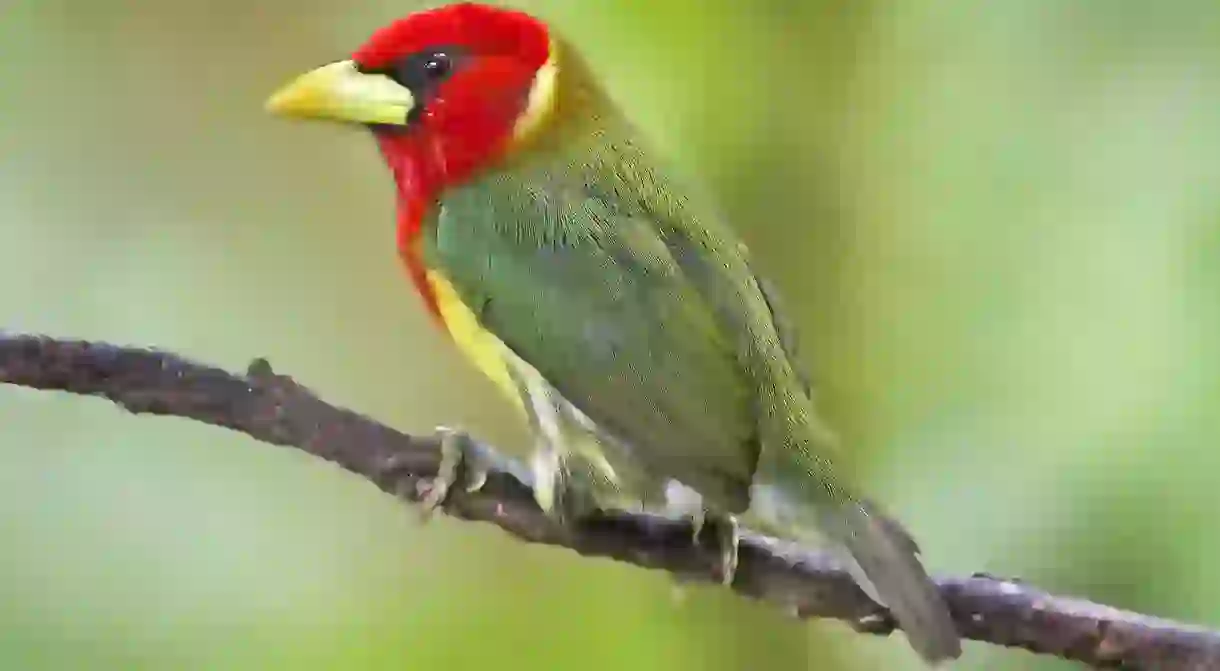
(423, 71)
(437, 66)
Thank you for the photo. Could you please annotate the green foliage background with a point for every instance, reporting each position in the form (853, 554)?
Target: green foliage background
(997, 223)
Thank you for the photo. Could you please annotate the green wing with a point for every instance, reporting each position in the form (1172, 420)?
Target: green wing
(600, 301)
(784, 328)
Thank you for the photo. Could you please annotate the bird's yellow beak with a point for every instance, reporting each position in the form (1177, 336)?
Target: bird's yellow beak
(340, 92)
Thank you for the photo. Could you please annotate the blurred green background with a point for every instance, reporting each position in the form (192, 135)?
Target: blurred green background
(998, 226)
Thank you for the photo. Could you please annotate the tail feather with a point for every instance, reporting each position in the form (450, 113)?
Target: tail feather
(887, 566)
(796, 484)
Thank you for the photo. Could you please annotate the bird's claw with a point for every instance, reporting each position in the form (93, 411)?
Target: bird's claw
(459, 467)
(726, 536)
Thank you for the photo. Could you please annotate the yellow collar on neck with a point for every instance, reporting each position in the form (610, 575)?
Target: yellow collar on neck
(541, 103)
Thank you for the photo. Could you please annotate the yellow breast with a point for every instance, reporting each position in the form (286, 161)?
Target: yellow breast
(481, 346)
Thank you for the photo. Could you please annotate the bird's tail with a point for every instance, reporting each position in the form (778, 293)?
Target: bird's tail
(797, 490)
(884, 561)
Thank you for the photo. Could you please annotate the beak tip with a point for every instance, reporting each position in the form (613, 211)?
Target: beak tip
(279, 103)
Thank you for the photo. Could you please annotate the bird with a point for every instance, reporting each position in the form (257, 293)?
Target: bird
(604, 293)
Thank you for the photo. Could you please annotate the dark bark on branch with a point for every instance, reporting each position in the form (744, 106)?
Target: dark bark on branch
(274, 409)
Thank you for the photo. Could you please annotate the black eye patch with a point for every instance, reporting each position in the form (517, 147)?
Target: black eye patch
(423, 71)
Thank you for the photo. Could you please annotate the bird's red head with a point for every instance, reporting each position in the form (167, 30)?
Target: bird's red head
(445, 91)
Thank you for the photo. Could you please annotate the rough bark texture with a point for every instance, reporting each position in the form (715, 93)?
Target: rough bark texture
(274, 409)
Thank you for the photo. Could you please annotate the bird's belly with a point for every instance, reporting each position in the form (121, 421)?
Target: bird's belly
(583, 440)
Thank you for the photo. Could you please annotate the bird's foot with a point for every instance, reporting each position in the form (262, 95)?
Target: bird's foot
(726, 537)
(460, 466)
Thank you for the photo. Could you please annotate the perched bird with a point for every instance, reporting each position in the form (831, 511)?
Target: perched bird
(601, 292)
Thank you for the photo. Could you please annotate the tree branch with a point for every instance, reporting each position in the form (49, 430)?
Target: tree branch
(274, 409)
